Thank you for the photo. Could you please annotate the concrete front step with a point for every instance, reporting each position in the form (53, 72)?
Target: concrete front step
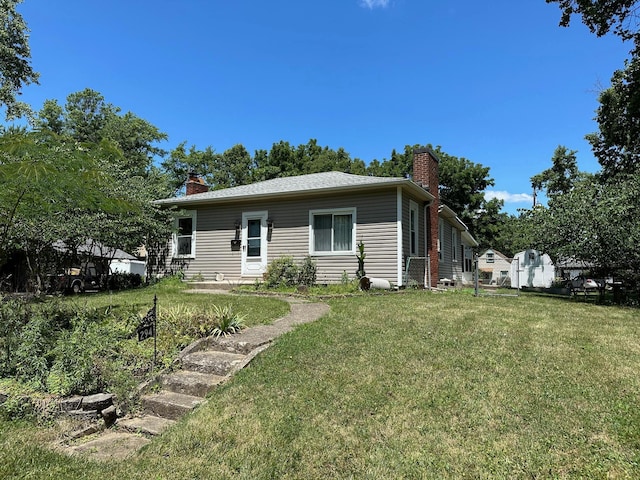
(191, 383)
(146, 425)
(215, 362)
(170, 405)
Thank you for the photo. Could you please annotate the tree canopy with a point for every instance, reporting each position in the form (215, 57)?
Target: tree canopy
(562, 175)
(616, 144)
(84, 174)
(15, 59)
(603, 16)
(87, 117)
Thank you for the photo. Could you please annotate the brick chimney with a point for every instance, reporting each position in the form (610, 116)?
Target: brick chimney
(195, 184)
(425, 173)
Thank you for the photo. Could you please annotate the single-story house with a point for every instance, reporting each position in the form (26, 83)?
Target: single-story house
(494, 268)
(234, 233)
(532, 268)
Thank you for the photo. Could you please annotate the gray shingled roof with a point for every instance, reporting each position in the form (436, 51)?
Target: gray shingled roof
(315, 182)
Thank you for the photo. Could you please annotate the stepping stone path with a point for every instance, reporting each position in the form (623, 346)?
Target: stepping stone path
(203, 365)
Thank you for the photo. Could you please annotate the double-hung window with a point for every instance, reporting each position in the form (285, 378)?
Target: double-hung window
(332, 232)
(440, 239)
(413, 228)
(454, 244)
(184, 240)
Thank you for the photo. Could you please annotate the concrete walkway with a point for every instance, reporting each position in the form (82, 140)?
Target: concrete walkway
(204, 364)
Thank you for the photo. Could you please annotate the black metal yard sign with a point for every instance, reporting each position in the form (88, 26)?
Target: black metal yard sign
(147, 327)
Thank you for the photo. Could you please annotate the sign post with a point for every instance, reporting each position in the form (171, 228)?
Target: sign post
(147, 328)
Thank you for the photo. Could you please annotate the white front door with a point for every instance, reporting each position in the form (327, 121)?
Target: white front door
(254, 243)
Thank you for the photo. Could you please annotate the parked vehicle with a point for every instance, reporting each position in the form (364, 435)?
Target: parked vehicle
(76, 279)
(583, 283)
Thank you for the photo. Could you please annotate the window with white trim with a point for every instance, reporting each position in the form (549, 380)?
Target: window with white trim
(454, 244)
(184, 239)
(440, 239)
(332, 232)
(413, 228)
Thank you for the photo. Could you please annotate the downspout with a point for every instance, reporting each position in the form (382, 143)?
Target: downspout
(427, 255)
(427, 239)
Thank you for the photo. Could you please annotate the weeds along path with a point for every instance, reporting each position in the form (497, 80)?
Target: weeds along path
(202, 366)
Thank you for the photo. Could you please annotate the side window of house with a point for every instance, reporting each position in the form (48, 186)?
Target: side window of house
(490, 257)
(440, 239)
(184, 239)
(468, 258)
(413, 228)
(454, 244)
(332, 231)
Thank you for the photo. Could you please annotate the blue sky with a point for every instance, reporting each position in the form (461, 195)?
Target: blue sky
(497, 82)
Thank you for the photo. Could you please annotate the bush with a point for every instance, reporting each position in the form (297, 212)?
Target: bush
(283, 272)
(14, 314)
(308, 273)
(82, 352)
(124, 281)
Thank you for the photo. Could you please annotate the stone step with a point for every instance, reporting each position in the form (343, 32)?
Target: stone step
(190, 383)
(242, 343)
(215, 362)
(110, 446)
(146, 425)
(170, 405)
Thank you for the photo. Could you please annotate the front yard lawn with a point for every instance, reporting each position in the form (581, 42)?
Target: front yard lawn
(418, 385)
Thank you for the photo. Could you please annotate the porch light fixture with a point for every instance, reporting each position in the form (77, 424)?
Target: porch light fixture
(270, 224)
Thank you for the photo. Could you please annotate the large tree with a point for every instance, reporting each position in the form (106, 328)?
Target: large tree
(561, 176)
(595, 223)
(603, 16)
(616, 144)
(15, 59)
(83, 174)
(88, 117)
(42, 175)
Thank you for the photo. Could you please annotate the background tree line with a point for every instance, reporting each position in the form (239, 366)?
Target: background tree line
(86, 171)
(593, 217)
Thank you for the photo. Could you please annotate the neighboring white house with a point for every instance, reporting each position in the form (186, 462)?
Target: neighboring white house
(494, 268)
(532, 268)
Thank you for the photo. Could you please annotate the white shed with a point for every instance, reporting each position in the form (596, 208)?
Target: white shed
(532, 268)
(126, 265)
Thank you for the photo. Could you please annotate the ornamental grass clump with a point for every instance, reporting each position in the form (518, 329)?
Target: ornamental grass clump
(226, 321)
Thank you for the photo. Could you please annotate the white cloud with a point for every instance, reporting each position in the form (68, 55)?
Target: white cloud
(371, 4)
(508, 197)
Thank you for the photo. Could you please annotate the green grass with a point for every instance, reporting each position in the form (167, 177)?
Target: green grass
(257, 311)
(417, 385)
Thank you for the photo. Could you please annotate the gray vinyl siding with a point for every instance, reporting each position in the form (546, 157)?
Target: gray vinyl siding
(375, 226)
(448, 268)
(445, 268)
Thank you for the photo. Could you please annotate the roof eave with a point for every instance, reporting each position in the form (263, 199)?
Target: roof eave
(201, 199)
